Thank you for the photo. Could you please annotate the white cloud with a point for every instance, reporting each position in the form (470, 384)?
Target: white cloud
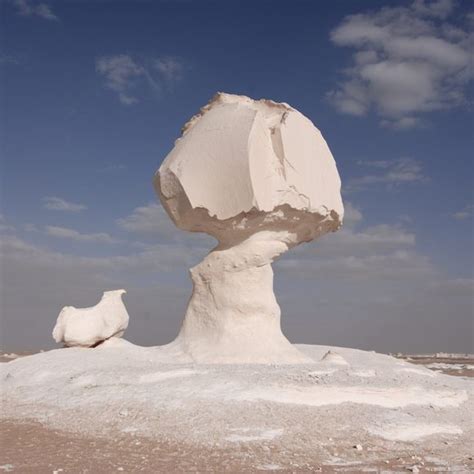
(44, 271)
(358, 251)
(352, 215)
(152, 222)
(125, 74)
(399, 265)
(389, 173)
(71, 234)
(53, 203)
(4, 226)
(369, 287)
(464, 213)
(113, 168)
(28, 8)
(7, 59)
(37, 282)
(437, 8)
(150, 259)
(380, 260)
(403, 123)
(365, 286)
(374, 238)
(120, 73)
(171, 68)
(407, 62)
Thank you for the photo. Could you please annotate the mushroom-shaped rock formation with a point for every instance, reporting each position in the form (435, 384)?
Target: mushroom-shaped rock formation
(260, 178)
(88, 327)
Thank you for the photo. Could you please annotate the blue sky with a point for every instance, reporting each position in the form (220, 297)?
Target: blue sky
(95, 93)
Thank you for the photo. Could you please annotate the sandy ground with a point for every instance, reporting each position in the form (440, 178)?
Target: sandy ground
(31, 447)
(451, 366)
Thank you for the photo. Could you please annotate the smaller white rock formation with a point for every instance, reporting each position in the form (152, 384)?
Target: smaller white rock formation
(332, 357)
(88, 327)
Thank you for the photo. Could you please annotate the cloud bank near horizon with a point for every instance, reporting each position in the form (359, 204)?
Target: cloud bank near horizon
(366, 285)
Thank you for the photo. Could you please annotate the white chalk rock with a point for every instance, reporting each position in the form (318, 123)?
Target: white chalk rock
(260, 178)
(89, 326)
(250, 164)
(332, 357)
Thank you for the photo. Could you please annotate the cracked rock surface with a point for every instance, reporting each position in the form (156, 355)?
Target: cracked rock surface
(241, 161)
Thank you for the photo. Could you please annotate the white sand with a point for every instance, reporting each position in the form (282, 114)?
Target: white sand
(415, 431)
(120, 389)
(115, 384)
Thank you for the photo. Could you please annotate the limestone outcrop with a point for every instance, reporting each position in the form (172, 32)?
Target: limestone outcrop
(260, 178)
(88, 327)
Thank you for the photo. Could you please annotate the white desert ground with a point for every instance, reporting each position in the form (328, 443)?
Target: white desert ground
(123, 408)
